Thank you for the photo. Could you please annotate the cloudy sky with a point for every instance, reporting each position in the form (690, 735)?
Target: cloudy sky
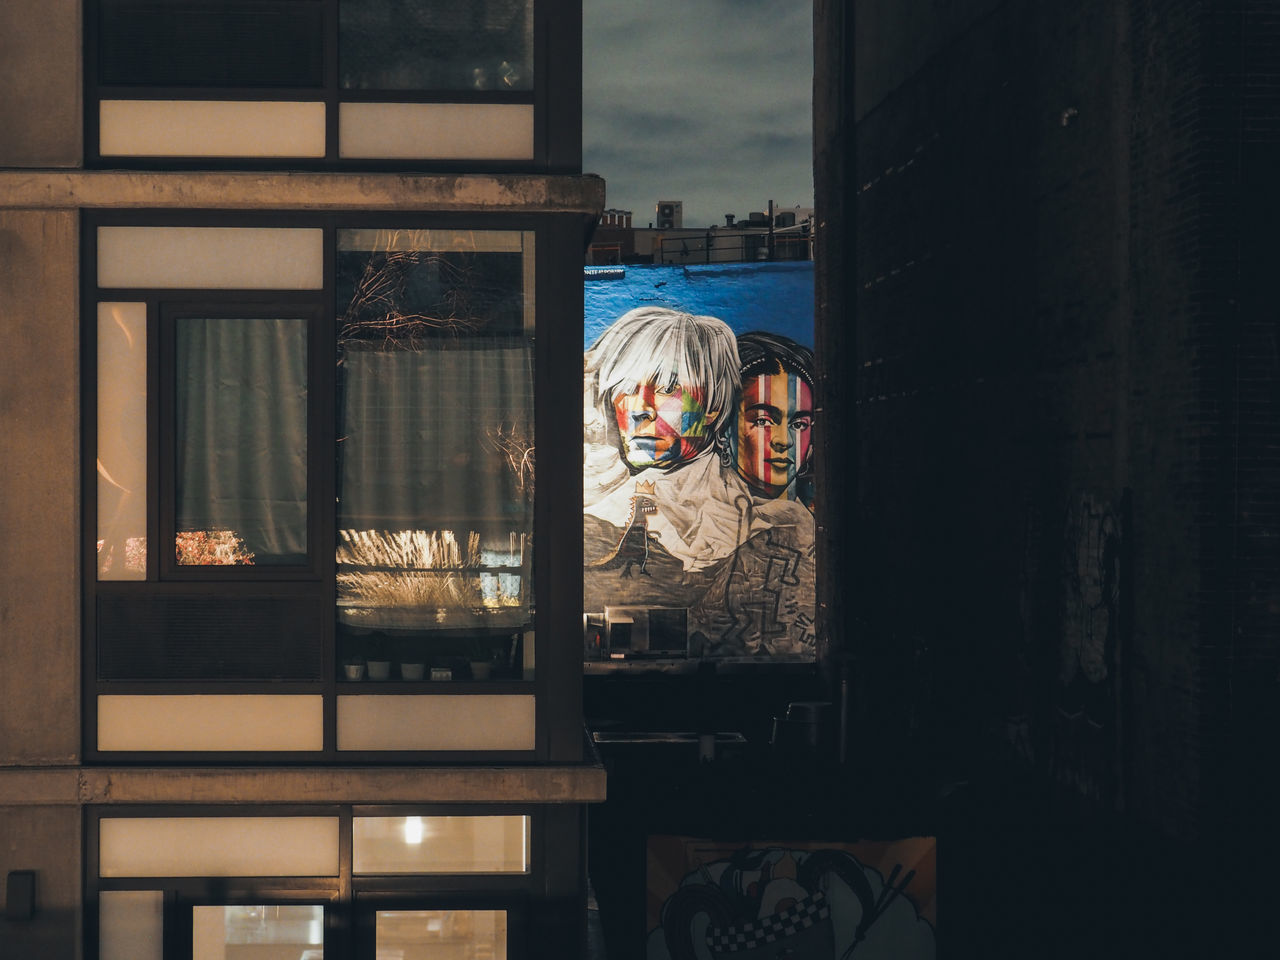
(704, 101)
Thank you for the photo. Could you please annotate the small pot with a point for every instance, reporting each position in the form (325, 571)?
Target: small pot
(379, 669)
(353, 671)
(412, 671)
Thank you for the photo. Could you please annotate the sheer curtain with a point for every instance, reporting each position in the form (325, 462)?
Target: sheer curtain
(436, 480)
(241, 428)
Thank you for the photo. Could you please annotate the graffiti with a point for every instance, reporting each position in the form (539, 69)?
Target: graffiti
(800, 901)
(697, 473)
(1086, 690)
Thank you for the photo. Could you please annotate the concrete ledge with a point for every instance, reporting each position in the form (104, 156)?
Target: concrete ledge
(116, 189)
(178, 785)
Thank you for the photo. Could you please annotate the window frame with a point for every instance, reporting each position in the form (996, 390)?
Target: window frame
(555, 98)
(350, 900)
(556, 683)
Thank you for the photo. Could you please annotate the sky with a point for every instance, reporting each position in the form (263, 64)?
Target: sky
(703, 101)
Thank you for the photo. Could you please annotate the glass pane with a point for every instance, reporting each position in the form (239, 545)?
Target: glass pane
(218, 847)
(243, 258)
(294, 932)
(436, 459)
(455, 934)
(436, 131)
(131, 925)
(441, 844)
(211, 43)
(211, 128)
(241, 426)
(122, 441)
(472, 44)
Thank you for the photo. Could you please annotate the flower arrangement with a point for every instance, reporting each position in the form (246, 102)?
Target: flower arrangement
(212, 548)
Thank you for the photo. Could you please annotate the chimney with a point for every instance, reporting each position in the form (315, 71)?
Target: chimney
(728, 219)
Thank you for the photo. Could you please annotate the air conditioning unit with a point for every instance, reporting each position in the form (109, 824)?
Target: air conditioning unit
(670, 214)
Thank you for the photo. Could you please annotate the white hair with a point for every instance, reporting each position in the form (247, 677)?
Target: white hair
(668, 349)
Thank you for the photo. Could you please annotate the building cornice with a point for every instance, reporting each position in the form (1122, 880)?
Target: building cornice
(145, 189)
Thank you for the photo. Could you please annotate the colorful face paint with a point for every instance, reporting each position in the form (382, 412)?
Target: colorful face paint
(661, 428)
(774, 431)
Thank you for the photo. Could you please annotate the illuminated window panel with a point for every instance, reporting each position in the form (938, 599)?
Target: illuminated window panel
(218, 847)
(493, 844)
(262, 932)
(130, 925)
(472, 722)
(210, 722)
(457, 934)
(122, 441)
(175, 258)
(211, 128)
(435, 131)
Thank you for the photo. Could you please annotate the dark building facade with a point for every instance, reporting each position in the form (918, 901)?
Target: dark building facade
(1041, 264)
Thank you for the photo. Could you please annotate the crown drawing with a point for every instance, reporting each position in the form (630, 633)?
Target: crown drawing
(646, 487)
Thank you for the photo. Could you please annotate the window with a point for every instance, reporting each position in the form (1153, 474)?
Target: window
(259, 885)
(317, 511)
(328, 81)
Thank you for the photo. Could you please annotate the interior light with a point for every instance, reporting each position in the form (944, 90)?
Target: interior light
(413, 830)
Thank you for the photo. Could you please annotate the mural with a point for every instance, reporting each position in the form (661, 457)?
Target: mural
(801, 901)
(697, 495)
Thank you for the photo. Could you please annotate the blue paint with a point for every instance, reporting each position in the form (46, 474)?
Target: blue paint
(777, 297)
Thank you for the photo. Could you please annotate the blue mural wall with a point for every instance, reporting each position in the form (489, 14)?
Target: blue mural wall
(776, 297)
(698, 419)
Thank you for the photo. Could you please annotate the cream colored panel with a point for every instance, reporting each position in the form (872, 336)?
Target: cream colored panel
(218, 847)
(436, 131)
(441, 933)
(122, 441)
(255, 258)
(131, 925)
(204, 722)
(210, 128)
(463, 722)
(496, 844)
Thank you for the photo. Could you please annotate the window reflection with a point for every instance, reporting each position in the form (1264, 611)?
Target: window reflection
(271, 932)
(429, 934)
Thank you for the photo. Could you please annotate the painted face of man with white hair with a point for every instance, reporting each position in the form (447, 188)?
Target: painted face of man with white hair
(666, 379)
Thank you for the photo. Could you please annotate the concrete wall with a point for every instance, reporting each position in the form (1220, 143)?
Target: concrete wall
(46, 840)
(41, 74)
(39, 488)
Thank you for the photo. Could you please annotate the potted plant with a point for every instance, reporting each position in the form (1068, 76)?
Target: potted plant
(378, 662)
(478, 658)
(412, 664)
(353, 667)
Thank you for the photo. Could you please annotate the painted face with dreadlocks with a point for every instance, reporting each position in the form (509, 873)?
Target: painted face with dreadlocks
(662, 426)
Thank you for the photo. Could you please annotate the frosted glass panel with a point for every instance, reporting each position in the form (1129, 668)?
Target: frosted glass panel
(270, 932)
(436, 131)
(130, 925)
(210, 128)
(218, 847)
(248, 722)
(471, 722)
(122, 441)
(456, 934)
(441, 844)
(254, 258)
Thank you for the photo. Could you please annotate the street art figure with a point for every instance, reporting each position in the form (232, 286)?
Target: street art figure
(800, 904)
(662, 490)
(772, 442)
